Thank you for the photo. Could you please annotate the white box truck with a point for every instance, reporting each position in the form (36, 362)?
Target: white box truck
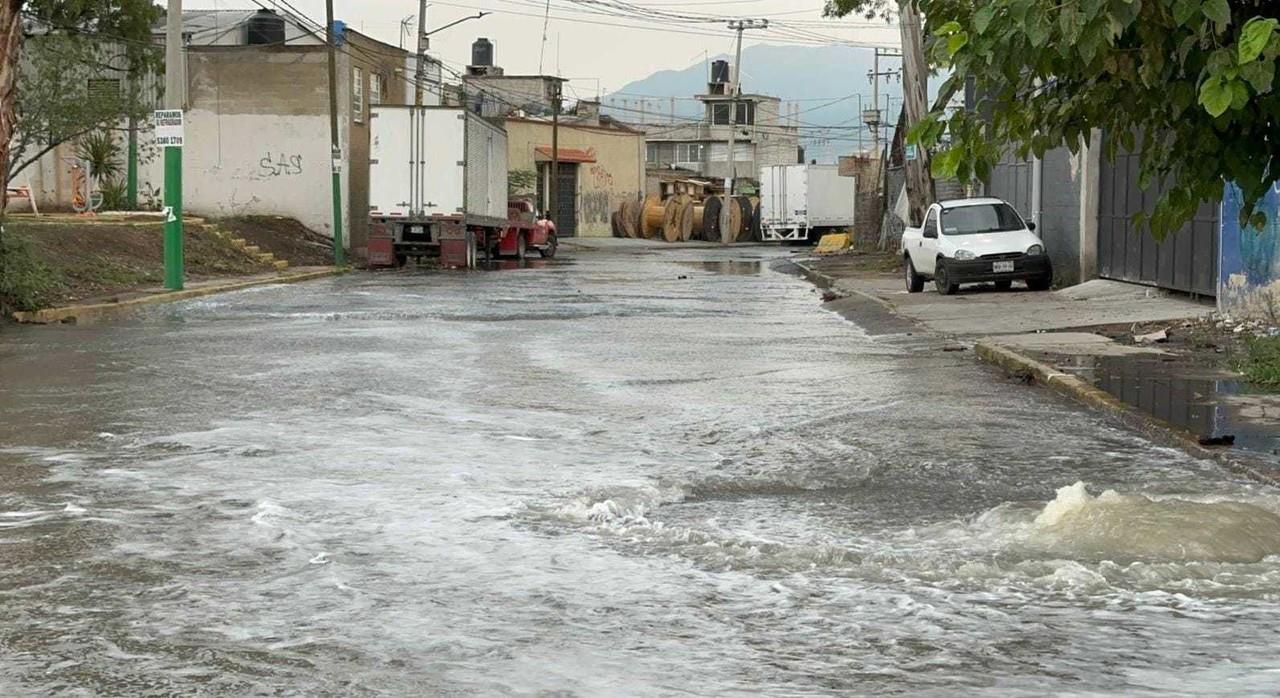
(801, 203)
(438, 186)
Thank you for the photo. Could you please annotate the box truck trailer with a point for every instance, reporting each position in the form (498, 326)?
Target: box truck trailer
(801, 203)
(438, 187)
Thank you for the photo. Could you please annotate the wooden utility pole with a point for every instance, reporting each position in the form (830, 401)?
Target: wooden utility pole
(553, 185)
(339, 253)
(915, 75)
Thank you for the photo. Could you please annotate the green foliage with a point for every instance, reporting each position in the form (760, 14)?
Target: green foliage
(521, 181)
(25, 282)
(1262, 360)
(83, 69)
(115, 194)
(101, 151)
(1195, 76)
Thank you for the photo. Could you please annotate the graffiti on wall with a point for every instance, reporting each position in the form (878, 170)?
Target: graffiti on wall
(601, 178)
(596, 207)
(279, 166)
(1249, 281)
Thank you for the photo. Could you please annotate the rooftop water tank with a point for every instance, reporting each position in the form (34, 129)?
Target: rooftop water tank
(482, 52)
(264, 27)
(720, 72)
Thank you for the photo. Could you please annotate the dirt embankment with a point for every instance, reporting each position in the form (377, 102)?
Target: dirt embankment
(286, 238)
(94, 260)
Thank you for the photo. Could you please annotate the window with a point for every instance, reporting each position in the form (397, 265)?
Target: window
(931, 221)
(689, 152)
(377, 88)
(357, 95)
(746, 113)
(986, 218)
(651, 152)
(104, 92)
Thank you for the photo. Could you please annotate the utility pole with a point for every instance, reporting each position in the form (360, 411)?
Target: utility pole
(420, 75)
(339, 253)
(553, 186)
(738, 25)
(174, 84)
(874, 118)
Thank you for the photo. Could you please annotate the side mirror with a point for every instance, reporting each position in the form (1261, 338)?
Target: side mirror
(931, 232)
(1031, 226)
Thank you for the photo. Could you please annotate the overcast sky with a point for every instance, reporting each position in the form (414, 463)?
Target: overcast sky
(593, 42)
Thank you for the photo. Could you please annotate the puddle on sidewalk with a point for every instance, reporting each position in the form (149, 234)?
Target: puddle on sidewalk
(1205, 403)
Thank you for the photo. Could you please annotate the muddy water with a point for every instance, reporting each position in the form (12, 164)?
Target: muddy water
(633, 475)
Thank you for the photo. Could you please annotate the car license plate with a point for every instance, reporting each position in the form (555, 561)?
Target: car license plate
(1002, 267)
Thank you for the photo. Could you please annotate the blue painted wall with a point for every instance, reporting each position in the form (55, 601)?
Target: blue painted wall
(1250, 257)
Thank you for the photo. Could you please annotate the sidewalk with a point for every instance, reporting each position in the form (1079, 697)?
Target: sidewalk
(1180, 388)
(981, 311)
(104, 308)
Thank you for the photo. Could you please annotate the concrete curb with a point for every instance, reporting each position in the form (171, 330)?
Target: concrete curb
(830, 282)
(82, 314)
(1020, 365)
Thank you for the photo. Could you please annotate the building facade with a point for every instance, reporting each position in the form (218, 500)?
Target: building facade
(762, 136)
(601, 166)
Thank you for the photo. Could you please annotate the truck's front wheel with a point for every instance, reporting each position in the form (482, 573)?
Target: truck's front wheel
(549, 250)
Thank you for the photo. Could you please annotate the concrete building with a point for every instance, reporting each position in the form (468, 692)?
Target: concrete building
(601, 160)
(763, 138)
(601, 166)
(257, 111)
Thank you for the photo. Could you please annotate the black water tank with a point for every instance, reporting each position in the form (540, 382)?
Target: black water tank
(720, 72)
(264, 27)
(482, 53)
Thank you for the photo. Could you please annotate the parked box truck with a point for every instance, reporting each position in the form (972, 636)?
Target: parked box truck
(438, 187)
(804, 202)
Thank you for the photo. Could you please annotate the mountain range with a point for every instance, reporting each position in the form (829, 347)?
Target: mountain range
(824, 82)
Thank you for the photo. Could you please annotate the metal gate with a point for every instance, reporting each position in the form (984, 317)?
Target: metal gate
(566, 209)
(1185, 261)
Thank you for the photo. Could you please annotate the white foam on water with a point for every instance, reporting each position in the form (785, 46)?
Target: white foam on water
(1134, 527)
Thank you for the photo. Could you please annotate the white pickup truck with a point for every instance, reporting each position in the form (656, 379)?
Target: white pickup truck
(967, 241)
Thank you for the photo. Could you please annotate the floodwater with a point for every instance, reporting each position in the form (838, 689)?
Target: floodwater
(633, 474)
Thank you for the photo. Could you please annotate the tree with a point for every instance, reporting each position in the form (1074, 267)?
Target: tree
(80, 29)
(70, 86)
(1186, 82)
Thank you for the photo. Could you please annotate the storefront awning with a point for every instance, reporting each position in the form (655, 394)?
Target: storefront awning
(543, 154)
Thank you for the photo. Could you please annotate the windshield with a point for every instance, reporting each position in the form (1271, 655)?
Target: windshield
(986, 218)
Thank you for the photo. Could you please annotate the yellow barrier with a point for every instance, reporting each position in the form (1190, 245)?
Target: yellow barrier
(834, 244)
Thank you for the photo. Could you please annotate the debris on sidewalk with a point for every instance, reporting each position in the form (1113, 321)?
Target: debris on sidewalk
(1152, 338)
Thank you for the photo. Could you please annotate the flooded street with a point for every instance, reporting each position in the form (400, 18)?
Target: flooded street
(622, 474)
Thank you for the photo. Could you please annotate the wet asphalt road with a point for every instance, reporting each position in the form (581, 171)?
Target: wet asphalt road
(663, 473)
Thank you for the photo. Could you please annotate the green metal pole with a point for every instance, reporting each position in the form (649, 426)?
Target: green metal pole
(339, 254)
(131, 177)
(173, 262)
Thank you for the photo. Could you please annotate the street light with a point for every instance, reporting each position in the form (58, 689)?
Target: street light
(437, 30)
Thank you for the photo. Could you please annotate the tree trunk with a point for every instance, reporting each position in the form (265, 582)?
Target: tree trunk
(10, 55)
(915, 76)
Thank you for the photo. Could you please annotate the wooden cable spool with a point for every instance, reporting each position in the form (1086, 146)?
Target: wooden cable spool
(735, 222)
(710, 220)
(699, 220)
(742, 230)
(651, 217)
(629, 218)
(677, 218)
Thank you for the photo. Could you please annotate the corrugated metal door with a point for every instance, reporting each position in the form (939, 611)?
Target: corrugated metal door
(566, 217)
(1185, 261)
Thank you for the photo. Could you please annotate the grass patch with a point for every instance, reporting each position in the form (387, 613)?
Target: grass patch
(26, 283)
(1262, 361)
